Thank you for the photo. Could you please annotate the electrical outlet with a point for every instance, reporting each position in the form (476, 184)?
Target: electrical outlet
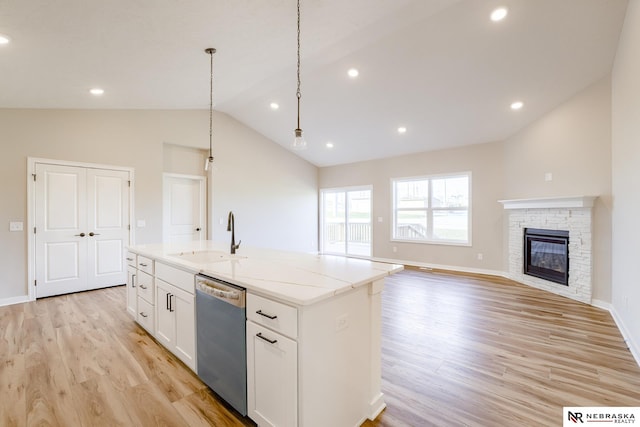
(480, 256)
(548, 177)
(394, 249)
(342, 322)
(16, 226)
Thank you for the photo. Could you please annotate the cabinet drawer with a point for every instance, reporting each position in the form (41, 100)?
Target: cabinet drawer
(176, 277)
(145, 264)
(132, 259)
(145, 315)
(274, 315)
(145, 286)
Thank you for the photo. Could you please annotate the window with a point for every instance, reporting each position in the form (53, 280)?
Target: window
(346, 221)
(432, 209)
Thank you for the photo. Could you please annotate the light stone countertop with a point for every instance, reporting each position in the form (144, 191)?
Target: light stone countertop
(295, 277)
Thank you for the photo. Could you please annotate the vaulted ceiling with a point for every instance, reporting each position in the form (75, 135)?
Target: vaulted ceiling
(440, 68)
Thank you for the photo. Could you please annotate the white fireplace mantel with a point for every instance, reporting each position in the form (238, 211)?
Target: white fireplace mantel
(550, 203)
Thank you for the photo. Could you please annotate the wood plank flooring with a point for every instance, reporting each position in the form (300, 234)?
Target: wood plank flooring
(480, 351)
(457, 350)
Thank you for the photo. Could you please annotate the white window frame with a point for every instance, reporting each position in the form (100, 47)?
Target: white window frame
(321, 204)
(429, 210)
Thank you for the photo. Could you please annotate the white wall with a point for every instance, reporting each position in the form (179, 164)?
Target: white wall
(626, 176)
(485, 161)
(250, 169)
(573, 142)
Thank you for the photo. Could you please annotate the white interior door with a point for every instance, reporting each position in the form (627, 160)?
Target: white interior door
(61, 223)
(108, 220)
(184, 208)
(82, 221)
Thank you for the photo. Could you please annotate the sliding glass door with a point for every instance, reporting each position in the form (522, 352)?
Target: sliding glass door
(346, 221)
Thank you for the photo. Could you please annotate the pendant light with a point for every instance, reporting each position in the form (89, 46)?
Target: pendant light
(209, 160)
(299, 143)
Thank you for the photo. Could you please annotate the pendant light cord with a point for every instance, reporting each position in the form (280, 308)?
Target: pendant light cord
(211, 52)
(298, 93)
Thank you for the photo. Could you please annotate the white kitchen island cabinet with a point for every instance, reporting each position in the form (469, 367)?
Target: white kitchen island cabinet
(313, 328)
(175, 312)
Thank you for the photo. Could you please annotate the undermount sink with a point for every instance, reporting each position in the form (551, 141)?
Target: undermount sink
(199, 257)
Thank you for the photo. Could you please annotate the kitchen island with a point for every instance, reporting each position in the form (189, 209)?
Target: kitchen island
(313, 325)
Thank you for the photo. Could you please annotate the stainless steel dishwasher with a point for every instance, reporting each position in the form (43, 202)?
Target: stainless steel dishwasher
(222, 347)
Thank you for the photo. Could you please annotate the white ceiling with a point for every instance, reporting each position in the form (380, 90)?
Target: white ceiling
(439, 67)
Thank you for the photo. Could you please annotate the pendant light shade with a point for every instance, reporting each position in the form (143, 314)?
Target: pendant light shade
(210, 51)
(298, 143)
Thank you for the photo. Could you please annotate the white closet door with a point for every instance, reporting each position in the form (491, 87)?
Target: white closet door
(82, 227)
(184, 208)
(61, 224)
(107, 229)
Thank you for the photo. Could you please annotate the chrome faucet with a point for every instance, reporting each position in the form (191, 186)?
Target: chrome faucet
(231, 227)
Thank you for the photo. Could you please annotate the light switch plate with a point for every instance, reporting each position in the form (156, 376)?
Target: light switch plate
(141, 223)
(16, 226)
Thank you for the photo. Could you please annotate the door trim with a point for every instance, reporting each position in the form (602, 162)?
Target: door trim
(31, 202)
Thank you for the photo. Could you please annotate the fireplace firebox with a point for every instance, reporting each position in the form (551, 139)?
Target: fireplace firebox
(546, 254)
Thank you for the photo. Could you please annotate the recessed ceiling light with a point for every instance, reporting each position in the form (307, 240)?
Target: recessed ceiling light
(353, 73)
(4, 39)
(329, 144)
(274, 106)
(96, 91)
(517, 105)
(499, 14)
(402, 129)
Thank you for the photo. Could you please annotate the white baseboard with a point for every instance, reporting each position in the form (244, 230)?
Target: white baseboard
(14, 300)
(442, 267)
(601, 304)
(634, 348)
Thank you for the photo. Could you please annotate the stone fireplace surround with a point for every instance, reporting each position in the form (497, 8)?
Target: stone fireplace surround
(573, 214)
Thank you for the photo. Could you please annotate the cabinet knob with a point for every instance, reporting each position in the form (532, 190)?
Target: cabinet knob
(198, 229)
(80, 235)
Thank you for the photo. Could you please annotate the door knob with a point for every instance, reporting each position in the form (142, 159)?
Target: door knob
(81, 235)
(94, 234)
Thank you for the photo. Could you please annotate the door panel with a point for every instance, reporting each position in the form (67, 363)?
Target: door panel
(61, 261)
(63, 198)
(108, 256)
(109, 197)
(108, 212)
(184, 208)
(60, 211)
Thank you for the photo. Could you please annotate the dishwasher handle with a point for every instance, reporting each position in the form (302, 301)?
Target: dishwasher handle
(227, 294)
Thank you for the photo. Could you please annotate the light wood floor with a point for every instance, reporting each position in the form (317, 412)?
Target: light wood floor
(457, 350)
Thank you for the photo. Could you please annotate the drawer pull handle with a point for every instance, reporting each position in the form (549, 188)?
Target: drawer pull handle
(262, 337)
(143, 287)
(143, 315)
(268, 316)
(142, 264)
(129, 259)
